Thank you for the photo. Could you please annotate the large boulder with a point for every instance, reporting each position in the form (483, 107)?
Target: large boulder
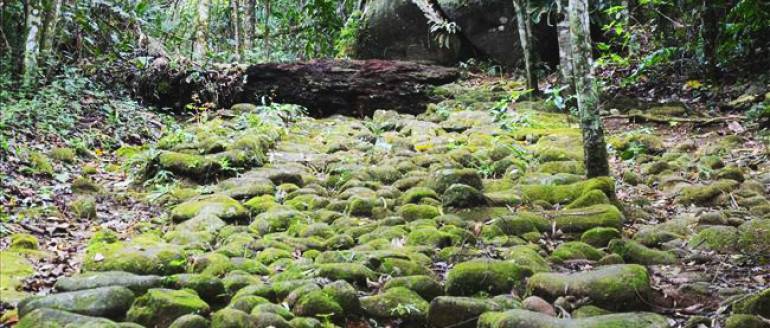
(397, 29)
(110, 302)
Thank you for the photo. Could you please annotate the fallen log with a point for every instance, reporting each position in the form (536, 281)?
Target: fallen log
(325, 87)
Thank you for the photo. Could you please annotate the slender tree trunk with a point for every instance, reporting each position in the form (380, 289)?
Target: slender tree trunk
(710, 36)
(31, 44)
(201, 31)
(236, 24)
(249, 23)
(586, 89)
(53, 10)
(267, 28)
(525, 39)
(565, 50)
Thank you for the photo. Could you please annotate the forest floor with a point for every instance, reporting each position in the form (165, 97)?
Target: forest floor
(472, 213)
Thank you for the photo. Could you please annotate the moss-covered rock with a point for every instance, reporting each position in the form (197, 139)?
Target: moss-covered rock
(583, 219)
(462, 196)
(563, 194)
(396, 303)
(136, 257)
(529, 319)
(190, 321)
(345, 295)
(757, 304)
(232, 318)
(599, 236)
(193, 166)
(590, 198)
(318, 304)
(160, 307)
(219, 205)
(705, 194)
(462, 312)
(754, 238)
(23, 241)
(412, 212)
(353, 273)
(51, 318)
(425, 286)
(527, 257)
(83, 207)
(586, 311)
(575, 250)
(614, 287)
(745, 321)
(722, 239)
(110, 302)
(63, 154)
(209, 288)
(634, 252)
(441, 180)
(89, 280)
(489, 277)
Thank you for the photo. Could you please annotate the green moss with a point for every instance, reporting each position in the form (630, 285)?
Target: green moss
(575, 250)
(14, 269)
(586, 311)
(614, 287)
(189, 165)
(307, 202)
(39, 163)
(219, 205)
(23, 241)
(425, 286)
(757, 304)
(634, 252)
(84, 207)
(400, 267)
(208, 287)
(527, 257)
(723, 239)
(593, 197)
(461, 312)
(411, 212)
(754, 238)
(560, 194)
(318, 304)
(571, 167)
(484, 276)
(396, 303)
(160, 307)
(462, 196)
(428, 236)
(582, 219)
(745, 321)
(443, 179)
(705, 194)
(84, 185)
(415, 194)
(63, 154)
(353, 273)
(599, 236)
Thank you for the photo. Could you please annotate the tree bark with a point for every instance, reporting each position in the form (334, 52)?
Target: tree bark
(710, 36)
(53, 10)
(236, 24)
(565, 50)
(267, 28)
(249, 23)
(31, 45)
(586, 90)
(201, 31)
(524, 24)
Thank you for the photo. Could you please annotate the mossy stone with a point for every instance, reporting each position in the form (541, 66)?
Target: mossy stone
(705, 194)
(527, 257)
(529, 319)
(462, 196)
(745, 321)
(722, 239)
(562, 194)
(52, 318)
(261, 204)
(85, 185)
(599, 236)
(353, 273)
(411, 212)
(575, 250)
(590, 198)
(219, 205)
(614, 287)
(426, 286)
(22, 241)
(490, 277)
(318, 304)
(84, 207)
(757, 304)
(151, 258)
(89, 280)
(396, 303)
(232, 318)
(190, 321)
(754, 238)
(160, 307)
(110, 302)
(209, 288)
(461, 312)
(345, 295)
(586, 311)
(583, 219)
(273, 308)
(63, 154)
(634, 252)
(441, 180)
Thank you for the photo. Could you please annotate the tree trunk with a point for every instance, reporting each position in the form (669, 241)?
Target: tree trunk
(249, 22)
(53, 10)
(565, 50)
(236, 24)
(586, 90)
(267, 28)
(31, 45)
(201, 31)
(710, 36)
(525, 39)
